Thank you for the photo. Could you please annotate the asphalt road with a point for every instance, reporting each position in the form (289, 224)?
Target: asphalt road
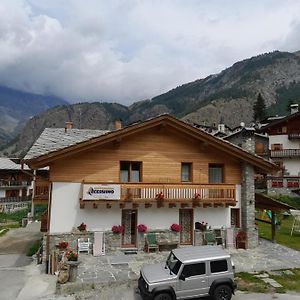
(13, 261)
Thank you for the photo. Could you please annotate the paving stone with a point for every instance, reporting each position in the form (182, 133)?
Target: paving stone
(288, 272)
(264, 275)
(272, 282)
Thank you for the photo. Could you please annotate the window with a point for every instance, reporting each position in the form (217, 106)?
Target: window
(186, 172)
(218, 266)
(276, 147)
(194, 270)
(235, 217)
(215, 173)
(130, 171)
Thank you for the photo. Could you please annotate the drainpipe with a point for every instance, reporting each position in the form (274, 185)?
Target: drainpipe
(33, 193)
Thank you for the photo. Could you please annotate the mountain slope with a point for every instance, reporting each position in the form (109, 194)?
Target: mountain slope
(17, 107)
(229, 96)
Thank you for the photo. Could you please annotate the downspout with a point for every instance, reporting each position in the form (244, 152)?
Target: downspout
(48, 230)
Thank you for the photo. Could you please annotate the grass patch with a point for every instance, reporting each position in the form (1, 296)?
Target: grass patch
(3, 231)
(283, 233)
(290, 282)
(248, 283)
(34, 248)
(15, 216)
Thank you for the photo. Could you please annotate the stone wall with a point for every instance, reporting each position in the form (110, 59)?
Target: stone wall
(248, 205)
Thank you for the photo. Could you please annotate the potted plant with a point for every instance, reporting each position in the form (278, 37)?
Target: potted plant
(72, 261)
(82, 227)
(203, 226)
(71, 256)
(62, 245)
(142, 228)
(117, 229)
(175, 227)
(160, 196)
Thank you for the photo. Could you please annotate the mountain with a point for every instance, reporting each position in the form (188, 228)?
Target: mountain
(227, 96)
(17, 107)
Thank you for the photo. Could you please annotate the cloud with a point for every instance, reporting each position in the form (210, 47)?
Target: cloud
(126, 51)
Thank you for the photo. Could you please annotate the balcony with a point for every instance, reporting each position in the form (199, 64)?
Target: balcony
(285, 153)
(292, 182)
(15, 199)
(41, 193)
(171, 195)
(13, 184)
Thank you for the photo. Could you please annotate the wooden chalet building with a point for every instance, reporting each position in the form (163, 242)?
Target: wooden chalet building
(158, 172)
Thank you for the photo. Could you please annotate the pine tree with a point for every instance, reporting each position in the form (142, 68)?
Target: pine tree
(259, 108)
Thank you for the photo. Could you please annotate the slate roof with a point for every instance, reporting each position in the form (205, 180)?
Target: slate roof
(8, 164)
(53, 139)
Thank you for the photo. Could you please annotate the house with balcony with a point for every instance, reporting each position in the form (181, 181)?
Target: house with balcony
(15, 185)
(159, 172)
(284, 148)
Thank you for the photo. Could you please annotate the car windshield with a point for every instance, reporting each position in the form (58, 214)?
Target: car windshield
(173, 263)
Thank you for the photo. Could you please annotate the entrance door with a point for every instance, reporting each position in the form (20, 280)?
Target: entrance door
(129, 219)
(186, 224)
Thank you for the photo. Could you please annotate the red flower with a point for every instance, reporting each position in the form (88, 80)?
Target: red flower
(117, 229)
(160, 196)
(142, 228)
(63, 245)
(175, 227)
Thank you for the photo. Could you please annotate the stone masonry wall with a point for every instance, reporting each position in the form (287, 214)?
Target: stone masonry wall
(248, 205)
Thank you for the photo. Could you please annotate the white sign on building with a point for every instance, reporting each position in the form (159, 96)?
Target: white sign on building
(101, 192)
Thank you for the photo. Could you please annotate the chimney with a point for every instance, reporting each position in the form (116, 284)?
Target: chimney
(68, 126)
(221, 128)
(118, 124)
(294, 108)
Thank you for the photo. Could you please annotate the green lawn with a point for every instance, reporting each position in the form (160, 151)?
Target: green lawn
(250, 283)
(283, 234)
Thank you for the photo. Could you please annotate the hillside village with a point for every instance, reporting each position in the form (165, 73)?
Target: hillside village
(149, 150)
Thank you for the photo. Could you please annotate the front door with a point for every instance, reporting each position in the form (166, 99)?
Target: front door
(186, 224)
(129, 219)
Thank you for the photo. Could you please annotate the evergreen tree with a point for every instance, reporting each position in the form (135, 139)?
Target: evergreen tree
(259, 108)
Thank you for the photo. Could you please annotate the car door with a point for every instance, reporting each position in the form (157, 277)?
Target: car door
(192, 281)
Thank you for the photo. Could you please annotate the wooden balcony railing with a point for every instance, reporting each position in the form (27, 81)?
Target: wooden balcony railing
(292, 182)
(13, 183)
(15, 199)
(285, 153)
(41, 194)
(212, 194)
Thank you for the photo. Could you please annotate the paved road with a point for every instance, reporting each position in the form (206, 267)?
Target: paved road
(128, 292)
(13, 261)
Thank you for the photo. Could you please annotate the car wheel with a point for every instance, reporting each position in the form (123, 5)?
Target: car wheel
(222, 292)
(163, 296)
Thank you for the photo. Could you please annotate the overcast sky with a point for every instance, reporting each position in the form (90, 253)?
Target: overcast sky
(125, 51)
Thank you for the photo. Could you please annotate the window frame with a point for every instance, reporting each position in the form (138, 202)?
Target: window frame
(130, 170)
(190, 168)
(221, 166)
(192, 264)
(218, 260)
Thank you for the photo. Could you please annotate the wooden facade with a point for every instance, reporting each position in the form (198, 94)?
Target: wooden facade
(160, 152)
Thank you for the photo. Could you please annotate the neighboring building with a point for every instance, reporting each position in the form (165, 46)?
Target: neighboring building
(15, 186)
(250, 140)
(158, 172)
(284, 146)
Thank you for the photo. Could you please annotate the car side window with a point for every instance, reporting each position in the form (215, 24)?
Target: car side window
(194, 270)
(218, 266)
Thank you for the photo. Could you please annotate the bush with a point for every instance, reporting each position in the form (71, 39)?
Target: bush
(34, 248)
